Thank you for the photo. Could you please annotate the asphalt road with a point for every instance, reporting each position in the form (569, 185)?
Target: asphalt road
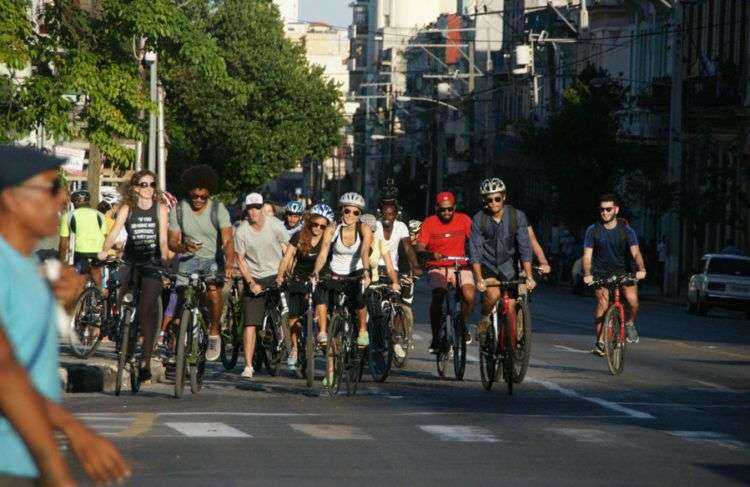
(677, 416)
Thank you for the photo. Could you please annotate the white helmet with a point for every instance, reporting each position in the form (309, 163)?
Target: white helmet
(352, 199)
(494, 185)
(415, 226)
(369, 220)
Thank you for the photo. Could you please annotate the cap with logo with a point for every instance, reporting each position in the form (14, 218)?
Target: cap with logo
(445, 197)
(254, 199)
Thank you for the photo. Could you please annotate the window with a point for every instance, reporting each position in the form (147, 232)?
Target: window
(729, 267)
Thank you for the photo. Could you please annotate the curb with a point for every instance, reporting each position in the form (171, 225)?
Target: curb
(99, 375)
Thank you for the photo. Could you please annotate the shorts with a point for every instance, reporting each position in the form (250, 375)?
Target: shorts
(254, 307)
(439, 277)
(296, 298)
(171, 306)
(82, 261)
(326, 293)
(209, 267)
(513, 291)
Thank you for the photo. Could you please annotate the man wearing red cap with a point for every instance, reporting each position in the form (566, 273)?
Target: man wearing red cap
(445, 234)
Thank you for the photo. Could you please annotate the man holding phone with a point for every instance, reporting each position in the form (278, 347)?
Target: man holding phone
(200, 230)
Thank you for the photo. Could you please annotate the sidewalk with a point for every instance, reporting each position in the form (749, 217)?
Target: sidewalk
(98, 373)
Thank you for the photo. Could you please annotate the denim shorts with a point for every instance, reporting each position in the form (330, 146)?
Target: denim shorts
(209, 267)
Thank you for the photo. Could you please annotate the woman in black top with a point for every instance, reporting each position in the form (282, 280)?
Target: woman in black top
(145, 220)
(299, 261)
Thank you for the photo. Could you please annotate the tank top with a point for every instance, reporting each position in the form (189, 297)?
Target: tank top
(346, 260)
(142, 226)
(305, 262)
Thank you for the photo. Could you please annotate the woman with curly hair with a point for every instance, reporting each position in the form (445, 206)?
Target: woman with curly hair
(145, 220)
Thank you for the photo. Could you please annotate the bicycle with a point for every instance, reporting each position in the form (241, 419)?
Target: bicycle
(129, 352)
(402, 331)
(271, 341)
(452, 332)
(95, 316)
(232, 326)
(342, 352)
(192, 338)
(613, 328)
(382, 331)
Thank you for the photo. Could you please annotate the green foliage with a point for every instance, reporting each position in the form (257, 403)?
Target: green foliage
(279, 110)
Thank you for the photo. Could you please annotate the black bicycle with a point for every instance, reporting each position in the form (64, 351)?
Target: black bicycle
(306, 333)
(271, 334)
(452, 335)
(344, 358)
(403, 323)
(385, 312)
(192, 339)
(127, 344)
(232, 326)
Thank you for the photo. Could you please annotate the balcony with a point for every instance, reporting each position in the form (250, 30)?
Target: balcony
(360, 21)
(713, 92)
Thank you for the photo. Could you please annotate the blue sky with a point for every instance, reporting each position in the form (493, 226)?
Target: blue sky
(334, 12)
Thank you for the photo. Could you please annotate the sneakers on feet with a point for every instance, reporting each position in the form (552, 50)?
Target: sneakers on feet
(398, 350)
(599, 349)
(467, 336)
(291, 360)
(248, 372)
(322, 339)
(214, 346)
(631, 333)
(363, 340)
(433, 347)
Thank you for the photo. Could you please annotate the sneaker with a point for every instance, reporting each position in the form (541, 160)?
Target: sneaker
(325, 381)
(214, 346)
(363, 340)
(291, 360)
(322, 339)
(399, 350)
(248, 372)
(599, 349)
(433, 347)
(467, 336)
(631, 333)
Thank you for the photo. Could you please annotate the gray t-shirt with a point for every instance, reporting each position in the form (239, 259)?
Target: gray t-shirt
(198, 227)
(262, 249)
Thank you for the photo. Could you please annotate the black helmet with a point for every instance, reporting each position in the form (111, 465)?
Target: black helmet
(80, 196)
(389, 191)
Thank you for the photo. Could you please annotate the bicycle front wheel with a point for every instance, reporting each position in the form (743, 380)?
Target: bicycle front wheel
(198, 346)
(230, 343)
(309, 350)
(181, 359)
(459, 348)
(379, 351)
(523, 341)
(488, 359)
(135, 360)
(508, 353)
(614, 345)
(87, 323)
(443, 354)
(123, 357)
(403, 322)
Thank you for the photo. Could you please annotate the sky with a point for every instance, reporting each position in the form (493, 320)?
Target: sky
(334, 12)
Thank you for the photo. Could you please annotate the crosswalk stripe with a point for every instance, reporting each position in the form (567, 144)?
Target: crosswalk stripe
(720, 439)
(584, 435)
(207, 430)
(331, 431)
(460, 433)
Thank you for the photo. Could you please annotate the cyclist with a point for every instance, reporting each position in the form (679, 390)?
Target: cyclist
(201, 232)
(89, 227)
(299, 261)
(145, 220)
(445, 234)
(605, 252)
(261, 242)
(381, 260)
(293, 217)
(499, 239)
(348, 245)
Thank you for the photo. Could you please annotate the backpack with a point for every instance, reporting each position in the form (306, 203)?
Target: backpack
(622, 225)
(72, 220)
(214, 215)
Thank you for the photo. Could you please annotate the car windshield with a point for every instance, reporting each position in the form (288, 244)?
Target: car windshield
(729, 267)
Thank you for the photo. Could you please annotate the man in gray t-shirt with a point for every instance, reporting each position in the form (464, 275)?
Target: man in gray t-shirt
(201, 232)
(260, 241)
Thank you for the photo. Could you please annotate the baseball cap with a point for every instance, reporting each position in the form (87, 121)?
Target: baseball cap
(17, 164)
(445, 197)
(253, 199)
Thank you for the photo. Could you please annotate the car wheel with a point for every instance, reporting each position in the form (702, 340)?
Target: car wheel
(701, 309)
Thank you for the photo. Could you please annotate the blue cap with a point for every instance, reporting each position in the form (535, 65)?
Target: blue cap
(18, 164)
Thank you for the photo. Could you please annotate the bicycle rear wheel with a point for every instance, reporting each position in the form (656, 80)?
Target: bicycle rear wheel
(87, 323)
(614, 346)
(402, 321)
(459, 348)
(523, 341)
(443, 354)
(508, 353)
(123, 356)
(379, 351)
(335, 356)
(488, 359)
(309, 350)
(181, 359)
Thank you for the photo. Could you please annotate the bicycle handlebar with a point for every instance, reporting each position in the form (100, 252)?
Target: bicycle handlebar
(492, 282)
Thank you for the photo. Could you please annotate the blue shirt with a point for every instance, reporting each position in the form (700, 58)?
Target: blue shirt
(492, 244)
(28, 315)
(609, 254)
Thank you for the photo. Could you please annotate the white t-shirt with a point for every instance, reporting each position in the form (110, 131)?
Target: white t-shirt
(400, 232)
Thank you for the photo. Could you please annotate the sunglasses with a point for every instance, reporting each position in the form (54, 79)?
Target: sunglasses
(202, 197)
(144, 184)
(352, 212)
(607, 209)
(322, 226)
(447, 209)
(53, 189)
(496, 199)
(254, 207)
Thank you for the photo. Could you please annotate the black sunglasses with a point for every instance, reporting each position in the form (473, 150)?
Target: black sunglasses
(202, 197)
(53, 189)
(322, 226)
(447, 209)
(352, 212)
(253, 207)
(607, 209)
(496, 199)
(144, 184)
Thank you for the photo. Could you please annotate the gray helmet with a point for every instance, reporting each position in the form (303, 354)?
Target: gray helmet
(352, 199)
(493, 185)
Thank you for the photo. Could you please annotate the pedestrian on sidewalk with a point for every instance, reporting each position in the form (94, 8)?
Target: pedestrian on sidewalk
(30, 196)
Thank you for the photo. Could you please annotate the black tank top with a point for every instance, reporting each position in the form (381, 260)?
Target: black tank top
(305, 262)
(142, 226)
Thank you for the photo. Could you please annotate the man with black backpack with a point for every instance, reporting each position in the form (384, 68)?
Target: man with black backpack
(499, 240)
(607, 247)
(200, 230)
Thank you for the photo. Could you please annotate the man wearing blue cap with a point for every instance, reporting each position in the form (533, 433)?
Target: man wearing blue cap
(30, 196)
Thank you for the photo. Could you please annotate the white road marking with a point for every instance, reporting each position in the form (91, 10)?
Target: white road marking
(220, 413)
(584, 435)
(717, 387)
(719, 439)
(331, 431)
(633, 413)
(207, 430)
(539, 363)
(568, 349)
(473, 434)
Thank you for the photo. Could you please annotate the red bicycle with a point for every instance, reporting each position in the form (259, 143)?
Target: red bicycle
(613, 329)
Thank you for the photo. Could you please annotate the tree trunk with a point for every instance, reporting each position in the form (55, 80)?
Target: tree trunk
(94, 175)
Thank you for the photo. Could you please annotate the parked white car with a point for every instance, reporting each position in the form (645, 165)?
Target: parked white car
(724, 282)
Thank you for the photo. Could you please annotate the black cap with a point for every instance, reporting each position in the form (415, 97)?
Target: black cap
(17, 164)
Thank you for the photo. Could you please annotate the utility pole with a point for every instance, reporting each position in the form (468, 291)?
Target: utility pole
(151, 58)
(391, 128)
(671, 220)
(472, 89)
(162, 150)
